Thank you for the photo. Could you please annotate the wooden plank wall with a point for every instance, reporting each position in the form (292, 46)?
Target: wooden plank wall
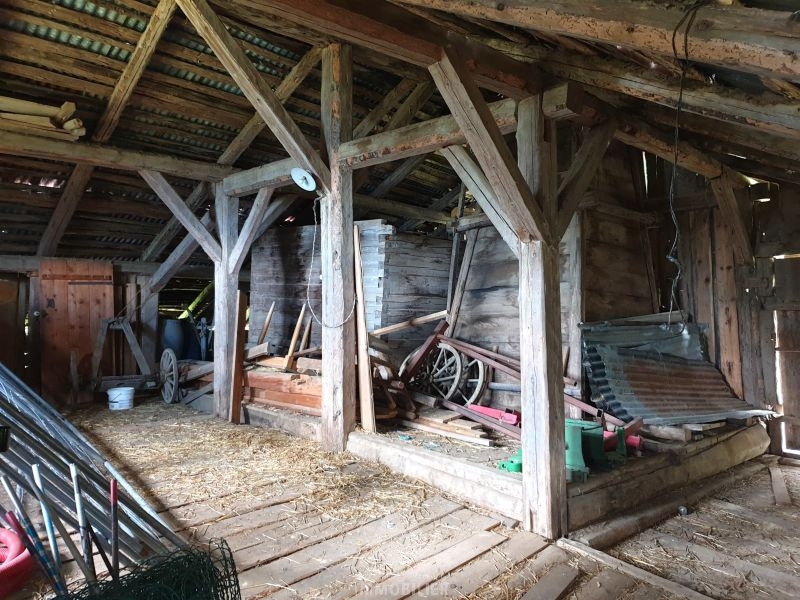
(615, 273)
(405, 275)
(416, 271)
(489, 315)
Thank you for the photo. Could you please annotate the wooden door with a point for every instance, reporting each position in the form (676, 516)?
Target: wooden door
(13, 294)
(73, 298)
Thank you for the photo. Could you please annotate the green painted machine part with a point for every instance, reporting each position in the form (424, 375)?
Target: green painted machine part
(585, 448)
(576, 465)
(513, 464)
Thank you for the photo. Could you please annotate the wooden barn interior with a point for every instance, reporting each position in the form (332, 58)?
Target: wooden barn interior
(402, 298)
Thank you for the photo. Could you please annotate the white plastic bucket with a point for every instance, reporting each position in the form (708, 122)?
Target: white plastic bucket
(120, 398)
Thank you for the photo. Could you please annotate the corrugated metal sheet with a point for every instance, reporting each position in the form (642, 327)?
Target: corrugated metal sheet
(686, 340)
(663, 390)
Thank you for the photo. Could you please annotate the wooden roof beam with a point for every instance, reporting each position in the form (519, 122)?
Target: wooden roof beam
(394, 31)
(471, 175)
(109, 119)
(247, 77)
(771, 112)
(764, 42)
(98, 155)
(235, 149)
(405, 142)
(514, 199)
(585, 164)
(175, 203)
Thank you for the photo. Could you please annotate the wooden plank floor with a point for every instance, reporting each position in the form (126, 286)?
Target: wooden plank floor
(742, 543)
(306, 524)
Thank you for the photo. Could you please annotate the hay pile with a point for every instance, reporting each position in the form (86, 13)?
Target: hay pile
(176, 456)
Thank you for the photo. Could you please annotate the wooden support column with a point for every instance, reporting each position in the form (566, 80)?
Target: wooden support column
(544, 491)
(148, 324)
(727, 325)
(338, 324)
(225, 289)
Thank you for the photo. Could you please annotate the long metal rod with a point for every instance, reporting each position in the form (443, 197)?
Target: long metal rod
(29, 533)
(21, 426)
(48, 522)
(86, 541)
(62, 531)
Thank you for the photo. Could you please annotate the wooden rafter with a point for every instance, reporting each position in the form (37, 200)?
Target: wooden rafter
(471, 175)
(767, 44)
(719, 103)
(175, 203)
(98, 155)
(393, 31)
(235, 149)
(82, 174)
(250, 81)
(585, 163)
(514, 198)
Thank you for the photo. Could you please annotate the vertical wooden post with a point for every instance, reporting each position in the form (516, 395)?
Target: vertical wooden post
(727, 325)
(148, 324)
(237, 359)
(544, 492)
(225, 287)
(702, 271)
(338, 324)
(544, 488)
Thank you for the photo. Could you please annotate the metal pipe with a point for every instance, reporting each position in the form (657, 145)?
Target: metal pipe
(48, 522)
(37, 548)
(62, 531)
(86, 542)
(22, 435)
(504, 387)
(114, 528)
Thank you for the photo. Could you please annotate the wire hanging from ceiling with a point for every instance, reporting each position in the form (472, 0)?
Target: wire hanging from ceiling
(686, 21)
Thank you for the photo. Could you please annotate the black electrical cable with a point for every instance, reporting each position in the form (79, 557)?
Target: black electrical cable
(688, 18)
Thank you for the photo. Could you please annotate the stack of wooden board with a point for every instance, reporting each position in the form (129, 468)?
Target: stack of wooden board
(56, 122)
(448, 424)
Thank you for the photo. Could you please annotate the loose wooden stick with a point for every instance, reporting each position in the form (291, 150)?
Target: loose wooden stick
(366, 401)
(288, 361)
(265, 328)
(306, 336)
(415, 322)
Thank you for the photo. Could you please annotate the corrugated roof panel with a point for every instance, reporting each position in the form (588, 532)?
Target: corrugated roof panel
(661, 389)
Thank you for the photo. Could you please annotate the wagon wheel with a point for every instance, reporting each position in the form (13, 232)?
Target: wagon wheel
(474, 380)
(168, 376)
(440, 374)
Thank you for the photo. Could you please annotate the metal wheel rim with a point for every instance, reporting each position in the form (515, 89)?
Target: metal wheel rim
(440, 375)
(473, 380)
(168, 374)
